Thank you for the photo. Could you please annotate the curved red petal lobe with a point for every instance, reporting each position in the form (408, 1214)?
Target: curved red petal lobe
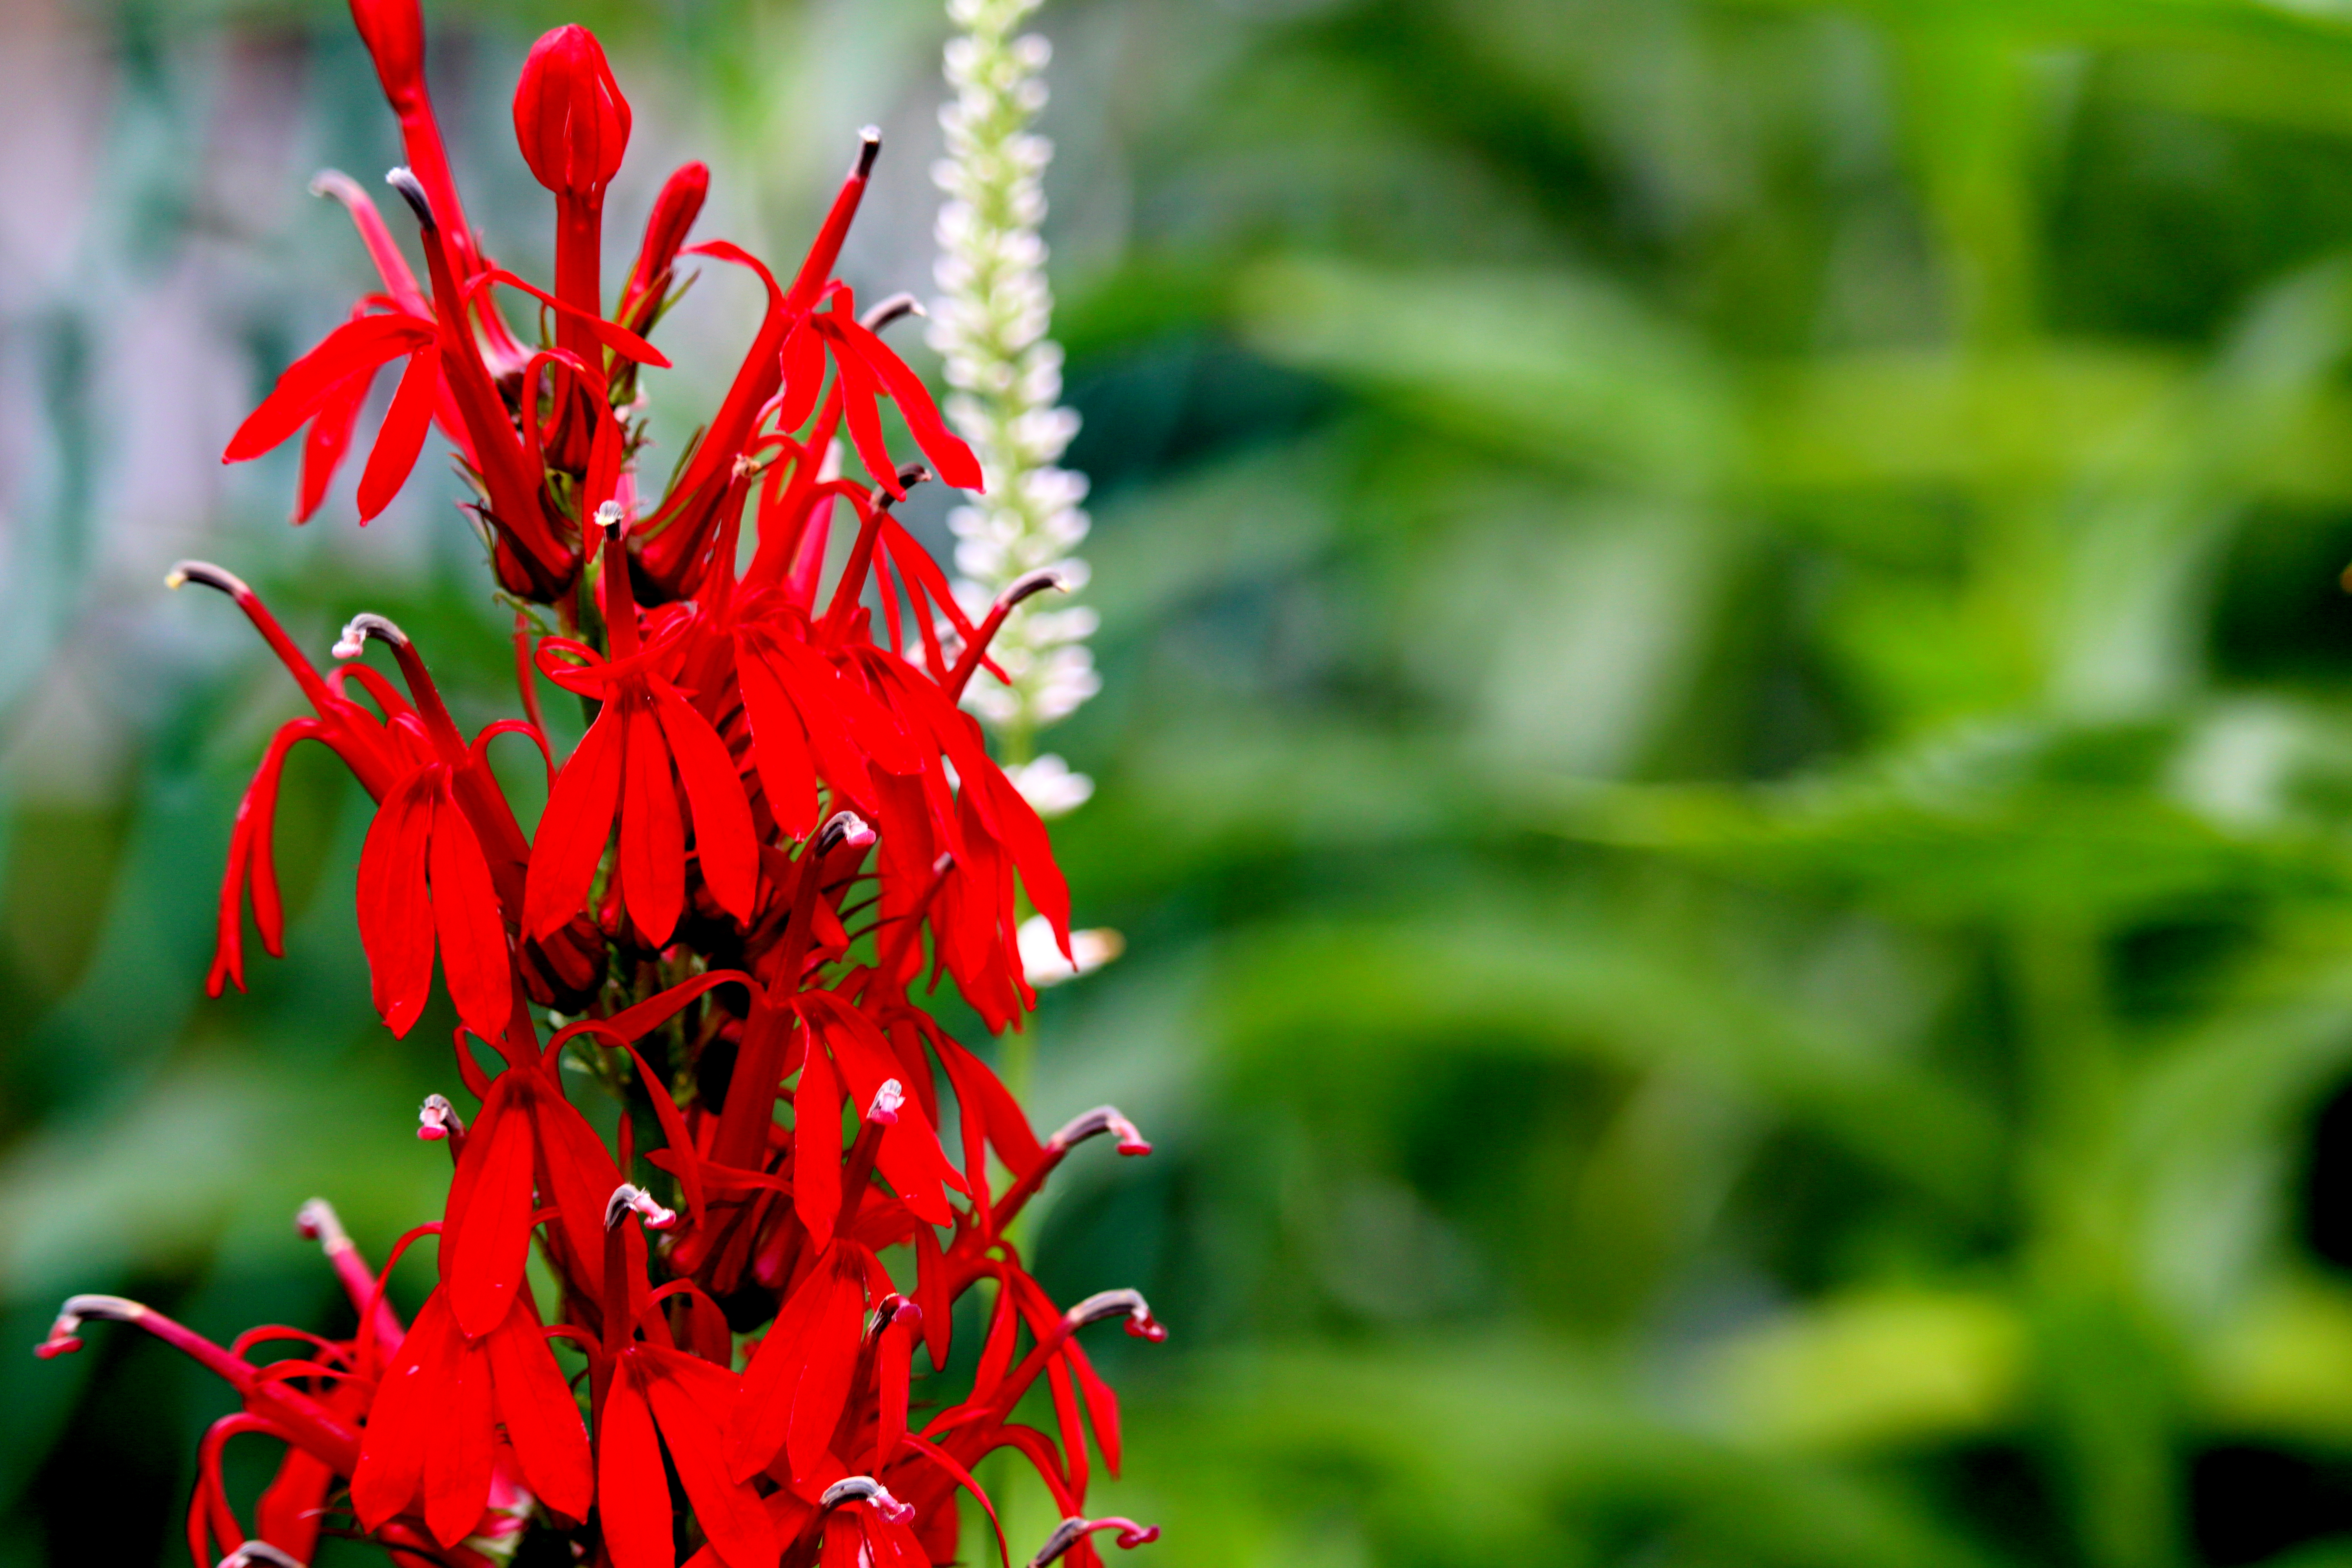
(458, 1459)
(694, 1402)
(632, 1493)
(492, 1234)
(350, 350)
(396, 913)
(474, 957)
(724, 846)
(405, 1416)
(816, 1142)
(574, 828)
(541, 1419)
(653, 833)
(402, 437)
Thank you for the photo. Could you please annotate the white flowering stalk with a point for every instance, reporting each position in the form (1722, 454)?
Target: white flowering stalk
(1007, 379)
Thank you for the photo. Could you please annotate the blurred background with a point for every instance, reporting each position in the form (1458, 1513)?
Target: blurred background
(1725, 754)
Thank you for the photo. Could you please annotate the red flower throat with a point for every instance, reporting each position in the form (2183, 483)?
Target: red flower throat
(723, 910)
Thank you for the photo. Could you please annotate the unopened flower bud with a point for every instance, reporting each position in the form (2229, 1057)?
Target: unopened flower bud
(674, 210)
(569, 117)
(393, 32)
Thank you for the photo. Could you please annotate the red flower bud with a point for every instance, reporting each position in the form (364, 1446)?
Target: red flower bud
(393, 32)
(569, 117)
(674, 210)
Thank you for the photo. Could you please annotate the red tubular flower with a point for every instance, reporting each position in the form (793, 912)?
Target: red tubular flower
(649, 1387)
(377, 749)
(647, 747)
(430, 1448)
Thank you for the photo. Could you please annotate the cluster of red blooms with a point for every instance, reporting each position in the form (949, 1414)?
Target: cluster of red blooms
(723, 911)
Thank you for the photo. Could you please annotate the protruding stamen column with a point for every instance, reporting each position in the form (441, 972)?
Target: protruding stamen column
(1025, 587)
(318, 1221)
(867, 1490)
(325, 1433)
(1093, 1124)
(1072, 1530)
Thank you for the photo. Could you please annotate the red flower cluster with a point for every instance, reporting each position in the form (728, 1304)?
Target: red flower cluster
(723, 910)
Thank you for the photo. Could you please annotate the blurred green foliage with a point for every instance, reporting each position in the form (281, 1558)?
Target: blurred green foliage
(1726, 757)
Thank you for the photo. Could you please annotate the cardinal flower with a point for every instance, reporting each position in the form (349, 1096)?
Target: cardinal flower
(424, 878)
(648, 750)
(431, 1444)
(656, 1397)
(777, 819)
(379, 750)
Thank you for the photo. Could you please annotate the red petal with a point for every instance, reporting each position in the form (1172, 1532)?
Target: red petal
(858, 392)
(330, 438)
(694, 1402)
(632, 1493)
(542, 1419)
(457, 1461)
(724, 844)
(350, 349)
(816, 1143)
(405, 1415)
(395, 918)
(798, 1381)
(573, 830)
(493, 1232)
(474, 956)
(803, 362)
(779, 746)
(653, 833)
(620, 340)
(402, 437)
(946, 450)
(1102, 1405)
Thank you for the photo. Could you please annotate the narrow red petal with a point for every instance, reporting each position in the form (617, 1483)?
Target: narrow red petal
(542, 1419)
(574, 828)
(653, 833)
(474, 957)
(395, 919)
(632, 1494)
(350, 349)
(724, 845)
(779, 746)
(458, 1459)
(402, 437)
(493, 1232)
(694, 1402)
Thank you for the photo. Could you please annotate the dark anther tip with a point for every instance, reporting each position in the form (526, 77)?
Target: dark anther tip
(411, 192)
